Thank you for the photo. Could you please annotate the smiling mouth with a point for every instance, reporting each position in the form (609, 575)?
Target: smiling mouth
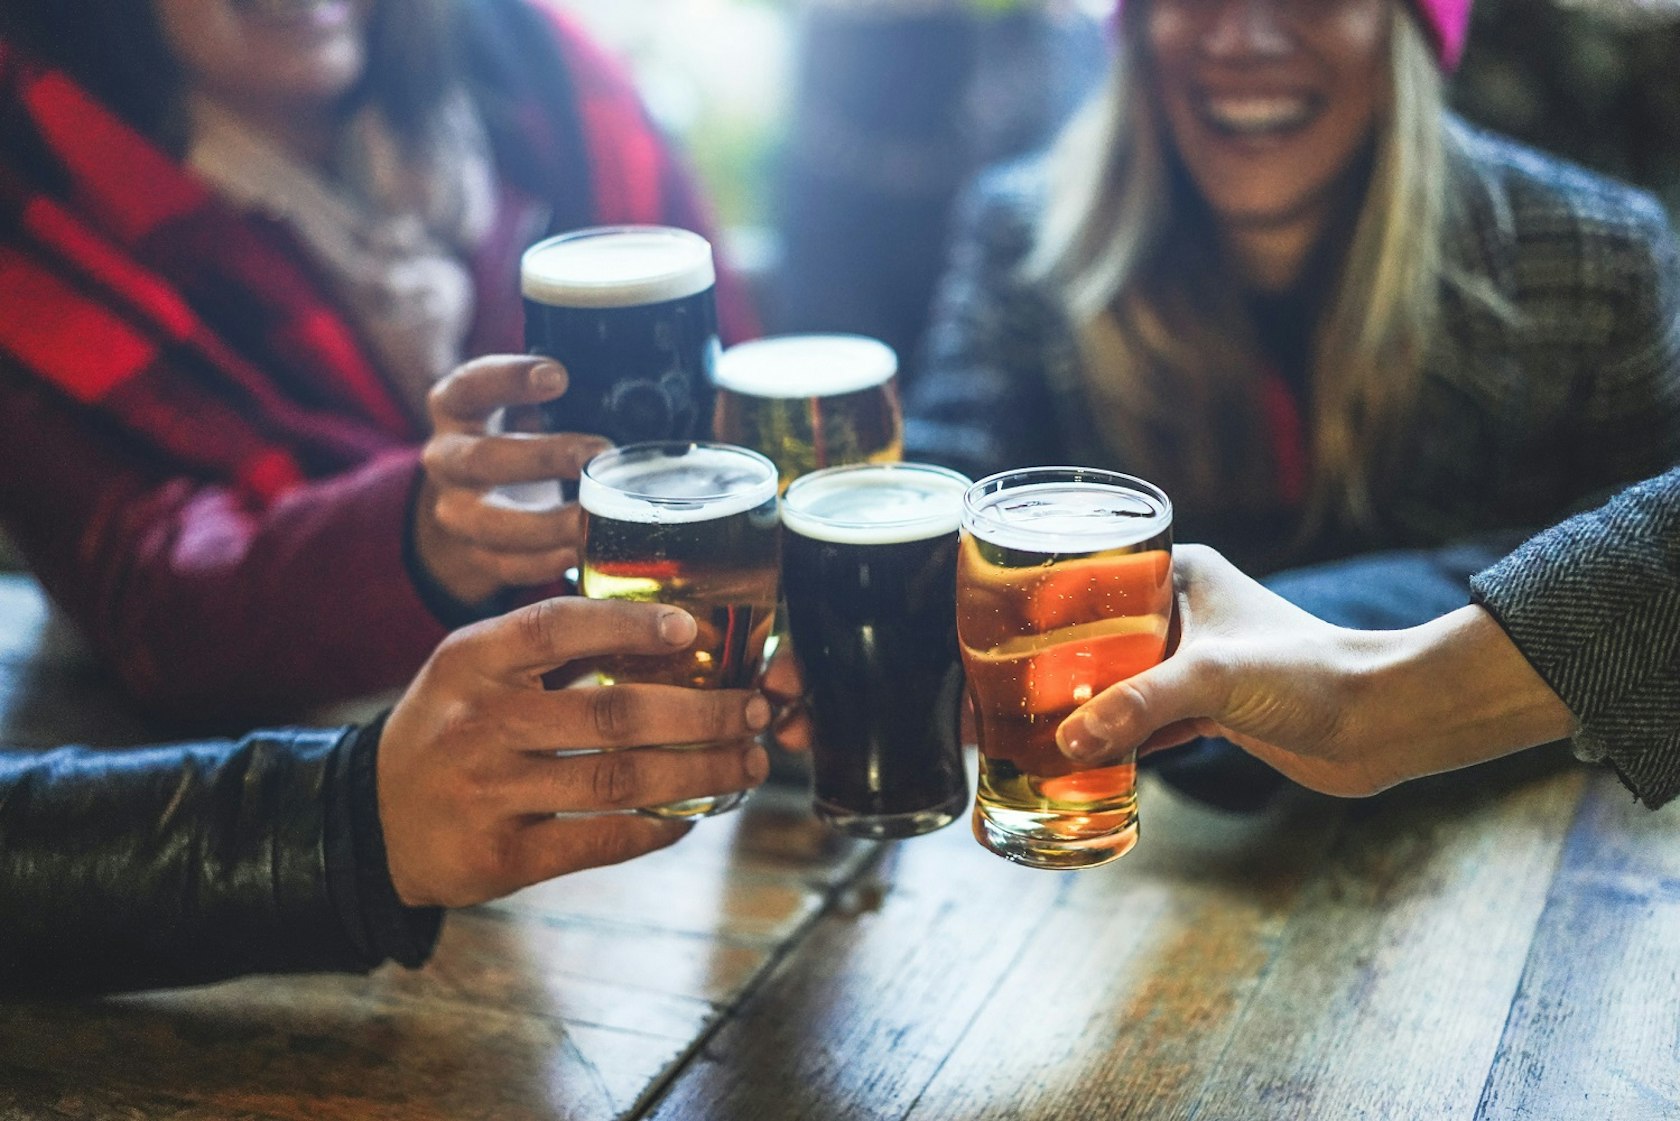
(292, 11)
(1256, 117)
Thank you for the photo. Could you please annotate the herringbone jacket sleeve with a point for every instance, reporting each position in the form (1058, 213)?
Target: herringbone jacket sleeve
(1594, 605)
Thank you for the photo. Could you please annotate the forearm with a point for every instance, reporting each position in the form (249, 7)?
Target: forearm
(166, 866)
(1448, 694)
(214, 612)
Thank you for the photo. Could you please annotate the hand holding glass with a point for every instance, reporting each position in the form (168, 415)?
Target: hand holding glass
(1064, 587)
(694, 526)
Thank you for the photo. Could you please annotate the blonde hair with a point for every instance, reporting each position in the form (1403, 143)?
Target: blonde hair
(1170, 369)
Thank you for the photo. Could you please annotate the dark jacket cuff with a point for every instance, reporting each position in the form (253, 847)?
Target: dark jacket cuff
(376, 922)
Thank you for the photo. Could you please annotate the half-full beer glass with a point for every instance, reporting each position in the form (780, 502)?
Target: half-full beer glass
(1064, 587)
(869, 568)
(694, 526)
(811, 401)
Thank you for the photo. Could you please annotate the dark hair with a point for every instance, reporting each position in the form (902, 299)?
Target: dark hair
(117, 51)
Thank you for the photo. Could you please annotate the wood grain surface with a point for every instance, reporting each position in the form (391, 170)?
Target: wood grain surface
(1499, 944)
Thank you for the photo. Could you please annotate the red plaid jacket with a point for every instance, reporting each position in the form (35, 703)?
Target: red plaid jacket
(204, 464)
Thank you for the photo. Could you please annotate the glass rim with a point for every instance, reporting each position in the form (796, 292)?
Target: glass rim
(770, 479)
(657, 286)
(976, 517)
(790, 506)
(868, 362)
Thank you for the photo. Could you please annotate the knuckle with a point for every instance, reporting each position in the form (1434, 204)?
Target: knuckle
(540, 626)
(439, 397)
(615, 782)
(721, 716)
(434, 456)
(475, 461)
(456, 512)
(610, 713)
(462, 720)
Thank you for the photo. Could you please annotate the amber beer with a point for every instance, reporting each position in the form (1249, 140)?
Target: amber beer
(1064, 587)
(869, 568)
(695, 526)
(811, 401)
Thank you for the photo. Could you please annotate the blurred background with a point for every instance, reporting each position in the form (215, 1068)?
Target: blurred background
(834, 134)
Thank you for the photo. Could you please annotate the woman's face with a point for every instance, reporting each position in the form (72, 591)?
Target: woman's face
(268, 53)
(1269, 102)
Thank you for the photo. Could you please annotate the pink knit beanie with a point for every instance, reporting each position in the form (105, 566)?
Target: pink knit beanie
(1446, 21)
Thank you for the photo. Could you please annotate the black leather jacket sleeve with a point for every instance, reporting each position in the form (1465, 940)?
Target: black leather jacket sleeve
(192, 863)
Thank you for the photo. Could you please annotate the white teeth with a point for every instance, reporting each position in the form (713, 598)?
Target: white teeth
(1258, 114)
(283, 7)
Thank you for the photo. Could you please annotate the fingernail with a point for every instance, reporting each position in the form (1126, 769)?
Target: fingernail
(756, 762)
(677, 628)
(548, 376)
(1078, 740)
(758, 713)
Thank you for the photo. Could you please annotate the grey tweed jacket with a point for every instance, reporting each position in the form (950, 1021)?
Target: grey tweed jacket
(1519, 422)
(1594, 605)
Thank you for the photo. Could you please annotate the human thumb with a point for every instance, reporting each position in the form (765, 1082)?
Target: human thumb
(1123, 716)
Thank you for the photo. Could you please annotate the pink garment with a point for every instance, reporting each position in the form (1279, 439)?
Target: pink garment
(1447, 21)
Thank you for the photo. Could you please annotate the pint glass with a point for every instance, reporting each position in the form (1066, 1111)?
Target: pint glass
(695, 526)
(1064, 587)
(629, 311)
(869, 570)
(811, 401)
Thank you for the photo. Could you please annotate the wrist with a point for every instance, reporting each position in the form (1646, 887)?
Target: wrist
(1452, 693)
(453, 589)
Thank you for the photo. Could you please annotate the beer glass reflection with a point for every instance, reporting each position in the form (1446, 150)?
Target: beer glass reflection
(695, 526)
(811, 401)
(869, 568)
(1064, 587)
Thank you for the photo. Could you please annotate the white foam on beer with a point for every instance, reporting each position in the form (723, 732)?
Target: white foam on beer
(617, 267)
(877, 504)
(705, 483)
(1066, 517)
(806, 365)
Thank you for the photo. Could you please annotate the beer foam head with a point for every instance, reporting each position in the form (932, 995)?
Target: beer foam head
(617, 266)
(806, 366)
(1065, 510)
(875, 504)
(670, 484)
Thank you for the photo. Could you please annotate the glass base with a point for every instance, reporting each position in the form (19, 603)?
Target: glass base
(1055, 841)
(887, 827)
(692, 809)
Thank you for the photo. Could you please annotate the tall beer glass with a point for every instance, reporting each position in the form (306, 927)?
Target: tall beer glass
(629, 311)
(1064, 587)
(695, 526)
(869, 569)
(811, 401)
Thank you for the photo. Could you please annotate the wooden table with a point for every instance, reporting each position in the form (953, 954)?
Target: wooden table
(1506, 945)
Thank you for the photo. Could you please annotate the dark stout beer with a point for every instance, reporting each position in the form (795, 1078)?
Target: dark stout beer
(869, 568)
(811, 401)
(1064, 587)
(628, 310)
(695, 526)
